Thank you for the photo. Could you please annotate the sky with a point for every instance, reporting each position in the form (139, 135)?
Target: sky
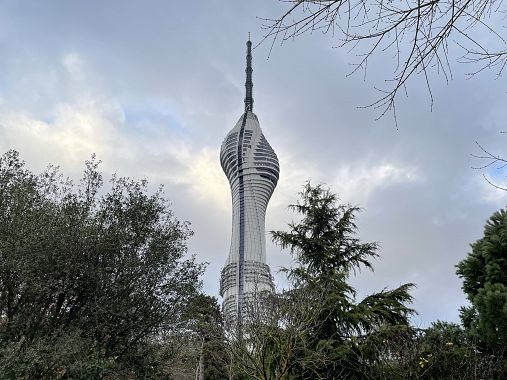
(153, 87)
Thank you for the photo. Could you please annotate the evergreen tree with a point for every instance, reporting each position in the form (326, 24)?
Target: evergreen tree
(317, 329)
(345, 333)
(484, 274)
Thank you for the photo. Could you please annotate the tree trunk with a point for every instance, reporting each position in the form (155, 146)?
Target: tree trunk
(199, 375)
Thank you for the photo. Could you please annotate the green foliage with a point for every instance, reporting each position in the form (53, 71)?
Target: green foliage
(324, 242)
(484, 274)
(205, 320)
(446, 354)
(68, 354)
(441, 351)
(89, 278)
(317, 329)
(327, 252)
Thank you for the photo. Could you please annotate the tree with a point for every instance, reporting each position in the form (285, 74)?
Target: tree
(419, 33)
(484, 274)
(89, 279)
(447, 353)
(317, 329)
(207, 323)
(197, 350)
(442, 351)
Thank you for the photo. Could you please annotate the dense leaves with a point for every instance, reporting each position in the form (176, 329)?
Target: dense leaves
(484, 273)
(207, 324)
(88, 277)
(95, 283)
(318, 329)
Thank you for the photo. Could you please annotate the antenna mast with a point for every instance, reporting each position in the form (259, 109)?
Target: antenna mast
(249, 84)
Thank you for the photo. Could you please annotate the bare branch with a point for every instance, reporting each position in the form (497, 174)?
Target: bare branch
(417, 31)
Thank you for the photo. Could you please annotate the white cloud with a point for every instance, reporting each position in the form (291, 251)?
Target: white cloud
(64, 96)
(203, 176)
(75, 131)
(89, 121)
(74, 65)
(490, 194)
(355, 183)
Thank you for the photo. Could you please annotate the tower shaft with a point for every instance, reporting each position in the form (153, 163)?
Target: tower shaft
(252, 168)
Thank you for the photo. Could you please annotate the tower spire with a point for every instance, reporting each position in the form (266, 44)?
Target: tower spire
(249, 84)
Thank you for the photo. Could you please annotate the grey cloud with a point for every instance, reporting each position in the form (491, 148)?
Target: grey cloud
(183, 61)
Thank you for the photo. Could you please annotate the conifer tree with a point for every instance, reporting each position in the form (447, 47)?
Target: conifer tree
(317, 329)
(345, 333)
(484, 274)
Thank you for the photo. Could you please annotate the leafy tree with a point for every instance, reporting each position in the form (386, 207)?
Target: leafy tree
(447, 353)
(441, 351)
(207, 323)
(89, 279)
(317, 329)
(484, 274)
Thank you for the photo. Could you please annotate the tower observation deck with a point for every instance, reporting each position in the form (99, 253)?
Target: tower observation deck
(252, 168)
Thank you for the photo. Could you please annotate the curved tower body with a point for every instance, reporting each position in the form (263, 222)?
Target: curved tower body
(252, 168)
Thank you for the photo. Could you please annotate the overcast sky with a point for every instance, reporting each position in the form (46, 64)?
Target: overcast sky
(152, 87)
